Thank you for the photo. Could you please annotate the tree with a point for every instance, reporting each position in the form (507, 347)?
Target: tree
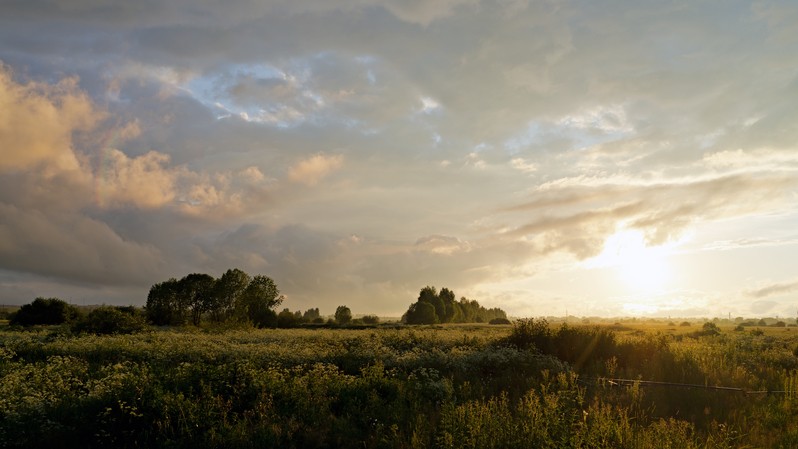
(196, 291)
(311, 314)
(371, 319)
(110, 320)
(164, 306)
(258, 300)
(444, 309)
(421, 312)
(227, 290)
(343, 315)
(287, 318)
(45, 311)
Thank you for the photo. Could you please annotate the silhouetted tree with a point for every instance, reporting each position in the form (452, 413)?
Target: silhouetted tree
(196, 290)
(287, 318)
(446, 310)
(164, 306)
(421, 312)
(371, 319)
(45, 311)
(110, 320)
(311, 314)
(258, 300)
(343, 315)
(227, 290)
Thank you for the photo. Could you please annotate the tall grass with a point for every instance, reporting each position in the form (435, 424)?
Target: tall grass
(527, 386)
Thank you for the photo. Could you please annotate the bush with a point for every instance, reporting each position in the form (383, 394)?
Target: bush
(499, 321)
(107, 320)
(45, 311)
(710, 328)
(684, 323)
(371, 319)
(343, 315)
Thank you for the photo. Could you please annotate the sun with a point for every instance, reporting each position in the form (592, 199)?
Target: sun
(641, 268)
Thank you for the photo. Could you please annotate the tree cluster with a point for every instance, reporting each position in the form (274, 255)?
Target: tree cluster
(441, 307)
(45, 311)
(287, 318)
(235, 296)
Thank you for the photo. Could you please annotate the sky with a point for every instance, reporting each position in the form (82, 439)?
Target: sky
(587, 158)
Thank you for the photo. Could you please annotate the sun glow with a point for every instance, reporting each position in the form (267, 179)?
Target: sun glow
(641, 268)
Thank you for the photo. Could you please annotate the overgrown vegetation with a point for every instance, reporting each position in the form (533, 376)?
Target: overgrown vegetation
(532, 385)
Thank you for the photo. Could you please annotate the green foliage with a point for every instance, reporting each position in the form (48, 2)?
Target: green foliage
(234, 296)
(499, 321)
(45, 311)
(164, 305)
(228, 290)
(371, 319)
(106, 320)
(258, 300)
(288, 319)
(476, 387)
(421, 312)
(433, 307)
(343, 315)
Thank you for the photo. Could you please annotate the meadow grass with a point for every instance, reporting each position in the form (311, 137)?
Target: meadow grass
(478, 386)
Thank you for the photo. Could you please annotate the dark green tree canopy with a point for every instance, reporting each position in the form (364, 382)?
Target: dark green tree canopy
(343, 315)
(433, 307)
(234, 296)
(45, 311)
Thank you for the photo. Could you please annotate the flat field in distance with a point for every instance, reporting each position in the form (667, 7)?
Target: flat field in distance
(532, 384)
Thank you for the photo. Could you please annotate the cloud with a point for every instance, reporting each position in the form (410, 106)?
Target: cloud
(37, 121)
(315, 168)
(143, 181)
(72, 247)
(591, 212)
(482, 140)
(773, 290)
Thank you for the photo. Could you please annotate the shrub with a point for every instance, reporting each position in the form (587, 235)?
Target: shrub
(45, 311)
(343, 315)
(684, 323)
(499, 321)
(710, 328)
(371, 319)
(106, 320)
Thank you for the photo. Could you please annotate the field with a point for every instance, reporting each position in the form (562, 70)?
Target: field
(533, 384)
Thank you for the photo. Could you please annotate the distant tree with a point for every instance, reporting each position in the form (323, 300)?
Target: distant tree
(343, 315)
(164, 306)
(499, 321)
(311, 314)
(258, 300)
(196, 290)
(287, 319)
(110, 320)
(446, 297)
(421, 312)
(371, 319)
(233, 296)
(447, 310)
(710, 328)
(45, 311)
(227, 290)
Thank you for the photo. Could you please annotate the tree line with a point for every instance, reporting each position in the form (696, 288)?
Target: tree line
(238, 297)
(434, 307)
(235, 296)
